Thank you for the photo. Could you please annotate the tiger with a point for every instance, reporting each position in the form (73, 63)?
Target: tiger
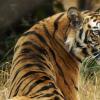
(46, 59)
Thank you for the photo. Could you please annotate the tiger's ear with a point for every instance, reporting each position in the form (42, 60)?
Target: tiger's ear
(75, 17)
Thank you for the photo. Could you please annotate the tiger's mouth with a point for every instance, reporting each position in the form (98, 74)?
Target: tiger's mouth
(97, 56)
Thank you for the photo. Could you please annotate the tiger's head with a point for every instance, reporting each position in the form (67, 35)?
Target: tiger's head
(86, 39)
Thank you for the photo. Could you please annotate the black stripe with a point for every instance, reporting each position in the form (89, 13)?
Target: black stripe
(46, 87)
(46, 31)
(76, 88)
(57, 93)
(95, 51)
(41, 80)
(36, 46)
(35, 96)
(44, 78)
(59, 67)
(32, 43)
(56, 23)
(25, 66)
(40, 66)
(26, 50)
(29, 52)
(24, 76)
(78, 44)
(17, 88)
(32, 57)
(50, 38)
(17, 58)
(86, 40)
(80, 33)
(85, 52)
(46, 95)
(51, 94)
(41, 38)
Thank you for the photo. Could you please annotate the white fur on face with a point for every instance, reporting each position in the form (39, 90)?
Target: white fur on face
(94, 24)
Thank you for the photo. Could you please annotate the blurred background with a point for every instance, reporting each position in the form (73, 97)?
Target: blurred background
(16, 16)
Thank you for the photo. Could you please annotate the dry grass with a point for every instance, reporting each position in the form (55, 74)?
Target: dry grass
(90, 80)
(89, 87)
(4, 80)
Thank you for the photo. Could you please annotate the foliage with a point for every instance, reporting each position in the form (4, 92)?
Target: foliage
(8, 40)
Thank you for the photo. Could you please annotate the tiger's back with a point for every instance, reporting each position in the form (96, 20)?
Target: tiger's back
(42, 68)
(38, 61)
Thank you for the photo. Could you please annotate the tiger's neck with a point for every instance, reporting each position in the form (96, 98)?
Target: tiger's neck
(58, 27)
